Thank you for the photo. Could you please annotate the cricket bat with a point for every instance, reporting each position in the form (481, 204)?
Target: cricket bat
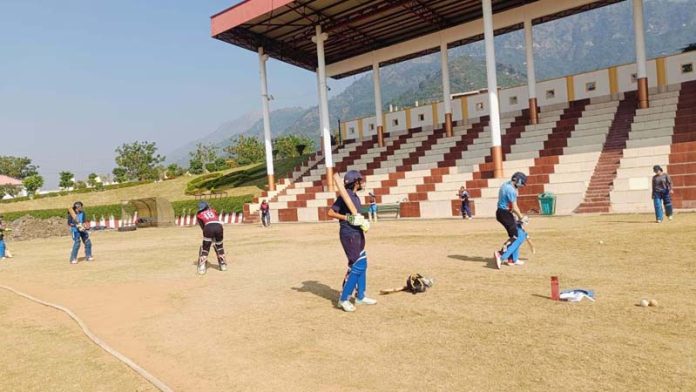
(73, 215)
(344, 193)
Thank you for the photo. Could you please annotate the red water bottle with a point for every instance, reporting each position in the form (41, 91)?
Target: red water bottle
(555, 295)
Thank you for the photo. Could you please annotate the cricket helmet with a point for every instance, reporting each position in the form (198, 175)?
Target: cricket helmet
(519, 179)
(77, 204)
(351, 177)
(657, 168)
(202, 206)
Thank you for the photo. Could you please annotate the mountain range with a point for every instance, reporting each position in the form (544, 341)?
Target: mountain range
(580, 43)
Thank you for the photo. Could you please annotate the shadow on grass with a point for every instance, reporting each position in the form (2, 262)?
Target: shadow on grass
(318, 289)
(490, 262)
(541, 296)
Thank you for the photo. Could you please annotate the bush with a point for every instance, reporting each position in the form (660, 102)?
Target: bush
(194, 185)
(93, 211)
(77, 191)
(226, 204)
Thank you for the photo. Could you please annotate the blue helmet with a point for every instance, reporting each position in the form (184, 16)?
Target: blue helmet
(519, 179)
(351, 177)
(202, 206)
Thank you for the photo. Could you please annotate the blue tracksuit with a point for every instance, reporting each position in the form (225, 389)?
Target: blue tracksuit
(513, 250)
(78, 236)
(353, 242)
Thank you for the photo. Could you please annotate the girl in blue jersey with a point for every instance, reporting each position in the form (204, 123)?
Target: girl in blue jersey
(507, 206)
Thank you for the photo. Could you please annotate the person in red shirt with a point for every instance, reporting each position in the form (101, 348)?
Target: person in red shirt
(209, 221)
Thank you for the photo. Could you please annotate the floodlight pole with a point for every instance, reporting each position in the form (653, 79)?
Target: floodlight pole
(494, 110)
(319, 39)
(641, 62)
(531, 75)
(266, 120)
(379, 117)
(447, 99)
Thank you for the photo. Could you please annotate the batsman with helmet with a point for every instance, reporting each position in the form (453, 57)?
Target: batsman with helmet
(352, 235)
(507, 206)
(77, 221)
(209, 221)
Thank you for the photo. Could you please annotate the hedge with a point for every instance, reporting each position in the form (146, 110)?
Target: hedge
(92, 212)
(76, 191)
(227, 204)
(253, 176)
(194, 185)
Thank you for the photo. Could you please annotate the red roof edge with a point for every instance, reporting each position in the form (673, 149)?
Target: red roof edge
(241, 13)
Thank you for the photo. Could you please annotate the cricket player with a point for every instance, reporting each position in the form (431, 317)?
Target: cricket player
(372, 212)
(265, 213)
(77, 221)
(506, 212)
(464, 197)
(661, 193)
(3, 249)
(352, 236)
(209, 221)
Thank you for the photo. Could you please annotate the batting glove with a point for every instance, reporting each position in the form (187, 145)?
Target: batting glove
(355, 220)
(365, 226)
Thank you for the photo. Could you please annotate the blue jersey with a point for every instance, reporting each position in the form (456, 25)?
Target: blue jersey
(507, 195)
(340, 207)
(80, 219)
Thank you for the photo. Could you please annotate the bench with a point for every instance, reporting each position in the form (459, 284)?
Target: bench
(394, 208)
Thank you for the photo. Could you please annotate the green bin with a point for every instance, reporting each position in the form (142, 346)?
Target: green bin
(547, 203)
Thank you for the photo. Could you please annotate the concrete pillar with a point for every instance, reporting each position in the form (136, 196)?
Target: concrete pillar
(641, 61)
(266, 120)
(531, 74)
(319, 39)
(379, 117)
(488, 36)
(444, 64)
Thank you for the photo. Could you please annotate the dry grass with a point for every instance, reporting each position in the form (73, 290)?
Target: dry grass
(269, 323)
(172, 190)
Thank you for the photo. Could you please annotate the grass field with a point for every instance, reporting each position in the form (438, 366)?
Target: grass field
(171, 189)
(270, 322)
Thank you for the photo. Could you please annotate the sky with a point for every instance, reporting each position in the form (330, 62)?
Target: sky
(79, 78)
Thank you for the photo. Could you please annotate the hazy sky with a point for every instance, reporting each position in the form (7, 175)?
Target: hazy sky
(79, 77)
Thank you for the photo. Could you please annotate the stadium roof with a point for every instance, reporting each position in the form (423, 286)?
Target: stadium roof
(357, 28)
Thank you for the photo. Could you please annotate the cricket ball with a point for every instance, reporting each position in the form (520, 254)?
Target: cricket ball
(653, 302)
(601, 242)
(644, 303)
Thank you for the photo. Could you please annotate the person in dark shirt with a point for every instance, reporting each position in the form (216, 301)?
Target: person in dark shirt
(265, 213)
(209, 221)
(464, 197)
(352, 235)
(662, 193)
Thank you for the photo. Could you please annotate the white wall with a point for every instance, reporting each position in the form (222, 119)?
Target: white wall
(674, 64)
(625, 76)
(522, 94)
(369, 126)
(558, 85)
(478, 105)
(425, 111)
(352, 130)
(600, 80)
(400, 117)
(456, 111)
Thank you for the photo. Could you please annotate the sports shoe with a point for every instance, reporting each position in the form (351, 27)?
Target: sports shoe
(659, 221)
(346, 306)
(223, 266)
(496, 255)
(74, 261)
(670, 217)
(366, 301)
(518, 262)
(90, 258)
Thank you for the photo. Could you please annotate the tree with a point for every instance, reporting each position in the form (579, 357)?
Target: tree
(9, 190)
(204, 153)
(66, 180)
(246, 150)
(139, 160)
(80, 185)
(219, 164)
(196, 167)
(289, 146)
(33, 183)
(120, 175)
(92, 180)
(174, 171)
(17, 167)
